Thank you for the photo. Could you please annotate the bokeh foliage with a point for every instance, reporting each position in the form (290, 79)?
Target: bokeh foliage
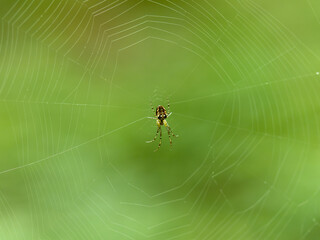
(76, 82)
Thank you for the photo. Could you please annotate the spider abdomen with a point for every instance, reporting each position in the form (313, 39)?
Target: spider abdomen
(161, 113)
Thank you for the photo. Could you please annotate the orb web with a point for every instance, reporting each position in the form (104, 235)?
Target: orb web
(77, 81)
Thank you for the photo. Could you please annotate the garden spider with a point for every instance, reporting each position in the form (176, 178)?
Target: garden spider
(161, 115)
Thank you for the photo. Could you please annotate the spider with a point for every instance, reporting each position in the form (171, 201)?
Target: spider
(161, 115)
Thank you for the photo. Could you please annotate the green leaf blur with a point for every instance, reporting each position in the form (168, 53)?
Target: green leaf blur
(76, 82)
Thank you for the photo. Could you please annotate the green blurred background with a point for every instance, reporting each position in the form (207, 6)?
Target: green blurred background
(76, 82)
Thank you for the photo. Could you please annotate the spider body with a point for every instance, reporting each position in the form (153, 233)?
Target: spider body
(161, 116)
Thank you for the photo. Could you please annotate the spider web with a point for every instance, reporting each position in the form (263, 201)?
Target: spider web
(77, 78)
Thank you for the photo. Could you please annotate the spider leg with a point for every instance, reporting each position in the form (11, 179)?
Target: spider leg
(168, 107)
(155, 137)
(152, 108)
(169, 130)
(169, 136)
(160, 140)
